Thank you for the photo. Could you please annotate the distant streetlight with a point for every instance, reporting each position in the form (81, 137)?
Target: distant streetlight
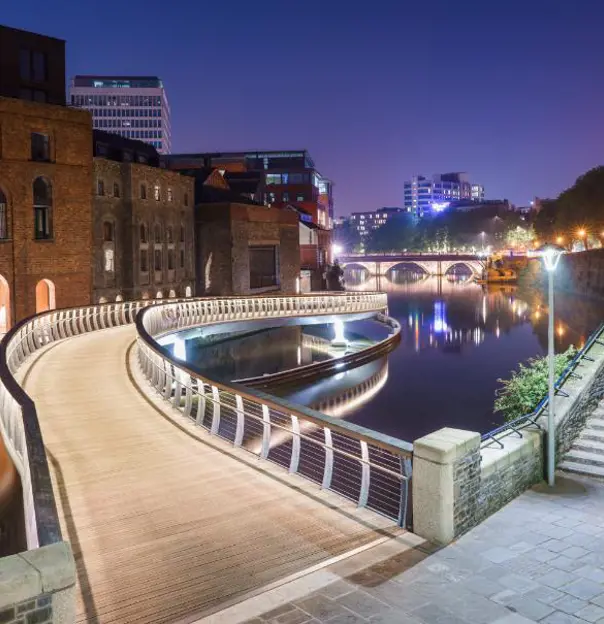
(482, 234)
(550, 255)
(336, 250)
(559, 240)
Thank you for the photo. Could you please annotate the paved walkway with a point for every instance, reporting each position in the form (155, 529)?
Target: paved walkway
(540, 559)
(164, 525)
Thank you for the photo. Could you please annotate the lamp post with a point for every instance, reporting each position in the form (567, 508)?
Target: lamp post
(482, 236)
(551, 256)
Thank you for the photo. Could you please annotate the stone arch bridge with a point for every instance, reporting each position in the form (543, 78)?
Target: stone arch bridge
(432, 264)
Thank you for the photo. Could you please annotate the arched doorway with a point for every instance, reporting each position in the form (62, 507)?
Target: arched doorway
(172, 294)
(45, 296)
(102, 300)
(119, 298)
(4, 306)
(188, 291)
(159, 295)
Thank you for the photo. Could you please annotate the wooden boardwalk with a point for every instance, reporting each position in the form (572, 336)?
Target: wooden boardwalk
(166, 527)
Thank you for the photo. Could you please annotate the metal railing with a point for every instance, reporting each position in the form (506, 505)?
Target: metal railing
(19, 424)
(370, 468)
(517, 425)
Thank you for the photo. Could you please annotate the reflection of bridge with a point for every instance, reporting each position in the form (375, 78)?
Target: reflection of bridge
(165, 521)
(432, 264)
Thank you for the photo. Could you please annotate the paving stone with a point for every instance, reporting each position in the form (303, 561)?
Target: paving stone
(569, 604)
(431, 614)
(519, 584)
(347, 618)
(394, 617)
(362, 603)
(321, 607)
(583, 588)
(542, 556)
(592, 573)
(481, 586)
(592, 613)
(530, 608)
(337, 589)
(561, 562)
(561, 618)
(505, 596)
(296, 616)
(569, 523)
(499, 554)
(556, 545)
(544, 594)
(522, 547)
(286, 608)
(513, 618)
(556, 579)
(575, 552)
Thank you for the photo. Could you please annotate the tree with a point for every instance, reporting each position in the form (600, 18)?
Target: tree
(347, 237)
(397, 234)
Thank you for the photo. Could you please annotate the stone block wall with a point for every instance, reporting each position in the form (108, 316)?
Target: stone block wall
(582, 273)
(466, 491)
(38, 586)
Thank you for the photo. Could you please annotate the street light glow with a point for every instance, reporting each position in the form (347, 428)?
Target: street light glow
(559, 240)
(581, 233)
(336, 249)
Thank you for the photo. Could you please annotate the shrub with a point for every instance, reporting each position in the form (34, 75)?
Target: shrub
(521, 394)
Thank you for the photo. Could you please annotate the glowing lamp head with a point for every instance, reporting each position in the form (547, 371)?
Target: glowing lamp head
(339, 339)
(550, 254)
(559, 240)
(581, 233)
(336, 249)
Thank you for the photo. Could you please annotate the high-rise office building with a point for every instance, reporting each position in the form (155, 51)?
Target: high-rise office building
(135, 107)
(424, 196)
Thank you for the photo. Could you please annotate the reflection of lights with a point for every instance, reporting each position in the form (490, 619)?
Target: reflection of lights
(440, 318)
(410, 321)
(537, 315)
(299, 356)
(180, 349)
(560, 331)
(416, 332)
(338, 334)
(484, 308)
(497, 330)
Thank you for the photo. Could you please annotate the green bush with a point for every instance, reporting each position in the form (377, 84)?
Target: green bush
(521, 394)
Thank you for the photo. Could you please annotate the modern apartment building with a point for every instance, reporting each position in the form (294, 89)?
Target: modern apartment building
(424, 196)
(365, 222)
(135, 107)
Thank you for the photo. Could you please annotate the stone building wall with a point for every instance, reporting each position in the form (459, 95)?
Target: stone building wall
(225, 232)
(63, 259)
(136, 196)
(582, 273)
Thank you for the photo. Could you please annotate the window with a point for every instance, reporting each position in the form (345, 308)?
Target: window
(100, 187)
(300, 197)
(107, 231)
(273, 178)
(42, 190)
(169, 194)
(182, 258)
(40, 147)
(157, 233)
(157, 257)
(170, 259)
(144, 261)
(285, 196)
(143, 233)
(169, 235)
(182, 233)
(25, 65)
(143, 191)
(263, 266)
(109, 266)
(156, 192)
(39, 67)
(116, 189)
(3, 216)
(186, 199)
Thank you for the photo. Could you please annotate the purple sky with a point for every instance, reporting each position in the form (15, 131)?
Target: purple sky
(511, 92)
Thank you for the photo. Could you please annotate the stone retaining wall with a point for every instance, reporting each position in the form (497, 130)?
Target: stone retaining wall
(38, 586)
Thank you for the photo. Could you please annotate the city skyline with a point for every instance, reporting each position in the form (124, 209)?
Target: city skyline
(507, 94)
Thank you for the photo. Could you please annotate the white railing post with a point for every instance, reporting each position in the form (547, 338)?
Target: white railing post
(295, 456)
(266, 431)
(188, 395)
(365, 474)
(201, 405)
(215, 410)
(328, 471)
(240, 420)
(177, 388)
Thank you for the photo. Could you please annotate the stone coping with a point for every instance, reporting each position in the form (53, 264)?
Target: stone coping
(494, 458)
(34, 572)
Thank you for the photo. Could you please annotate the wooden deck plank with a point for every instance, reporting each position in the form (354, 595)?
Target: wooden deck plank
(162, 525)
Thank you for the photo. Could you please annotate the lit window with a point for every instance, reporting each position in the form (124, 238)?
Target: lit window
(156, 192)
(169, 194)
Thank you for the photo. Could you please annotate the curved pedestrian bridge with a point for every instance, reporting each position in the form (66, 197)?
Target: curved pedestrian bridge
(166, 522)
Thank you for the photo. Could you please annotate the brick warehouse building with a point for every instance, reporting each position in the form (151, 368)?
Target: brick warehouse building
(143, 223)
(45, 208)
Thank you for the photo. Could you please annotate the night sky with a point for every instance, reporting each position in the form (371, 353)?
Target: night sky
(511, 92)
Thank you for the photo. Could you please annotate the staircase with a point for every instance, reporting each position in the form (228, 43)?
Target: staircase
(586, 455)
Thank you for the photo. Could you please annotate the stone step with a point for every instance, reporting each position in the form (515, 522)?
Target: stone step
(593, 434)
(583, 443)
(585, 469)
(595, 423)
(585, 457)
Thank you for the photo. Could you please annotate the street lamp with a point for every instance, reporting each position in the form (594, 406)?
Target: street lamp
(551, 256)
(582, 234)
(336, 250)
(482, 235)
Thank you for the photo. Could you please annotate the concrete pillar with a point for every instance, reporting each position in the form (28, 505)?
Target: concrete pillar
(446, 480)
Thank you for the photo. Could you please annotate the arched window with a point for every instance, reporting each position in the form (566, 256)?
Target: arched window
(157, 233)
(157, 192)
(108, 231)
(42, 209)
(169, 235)
(143, 233)
(188, 292)
(100, 187)
(116, 189)
(45, 296)
(182, 233)
(143, 191)
(3, 215)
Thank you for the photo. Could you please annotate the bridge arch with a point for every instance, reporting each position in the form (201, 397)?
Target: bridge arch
(409, 264)
(474, 266)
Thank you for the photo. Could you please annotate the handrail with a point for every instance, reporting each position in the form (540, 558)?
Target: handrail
(19, 424)
(527, 420)
(371, 468)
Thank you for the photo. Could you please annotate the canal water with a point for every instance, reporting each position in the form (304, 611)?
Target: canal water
(458, 339)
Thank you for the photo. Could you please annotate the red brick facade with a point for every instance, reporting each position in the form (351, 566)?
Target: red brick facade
(63, 257)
